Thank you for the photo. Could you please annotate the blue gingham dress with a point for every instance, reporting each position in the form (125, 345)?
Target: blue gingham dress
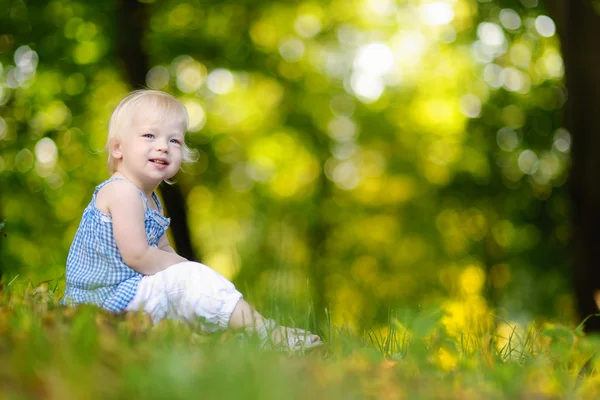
(96, 273)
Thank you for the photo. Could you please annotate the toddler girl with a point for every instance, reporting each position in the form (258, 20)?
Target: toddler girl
(121, 258)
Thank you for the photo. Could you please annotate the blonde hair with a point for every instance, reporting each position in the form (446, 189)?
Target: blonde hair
(148, 105)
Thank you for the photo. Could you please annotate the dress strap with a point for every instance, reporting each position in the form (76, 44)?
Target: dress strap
(155, 198)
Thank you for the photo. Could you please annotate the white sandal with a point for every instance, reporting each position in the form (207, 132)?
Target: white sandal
(292, 339)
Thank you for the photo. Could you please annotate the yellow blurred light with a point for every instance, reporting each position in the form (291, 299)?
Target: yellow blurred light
(200, 197)
(264, 34)
(291, 169)
(520, 55)
(75, 84)
(553, 63)
(190, 74)
(291, 71)
(436, 174)
(365, 269)
(196, 114)
(225, 263)
(376, 231)
(399, 189)
(58, 113)
(475, 224)
(510, 340)
(439, 116)
(307, 25)
(472, 279)
(442, 153)
(189, 79)
(382, 8)
(347, 304)
(86, 31)
(181, 16)
(24, 160)
(87, 52)
(469, 316)
(503, 233)
(446, 360)
(72, 26)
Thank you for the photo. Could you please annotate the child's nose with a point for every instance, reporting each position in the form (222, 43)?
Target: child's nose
(161, 146)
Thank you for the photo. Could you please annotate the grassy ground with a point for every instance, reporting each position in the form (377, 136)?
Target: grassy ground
(51, 352)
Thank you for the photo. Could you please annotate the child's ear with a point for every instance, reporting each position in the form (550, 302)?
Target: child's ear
(115, 148)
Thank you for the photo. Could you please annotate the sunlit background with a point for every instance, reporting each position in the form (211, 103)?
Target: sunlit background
(360, 155)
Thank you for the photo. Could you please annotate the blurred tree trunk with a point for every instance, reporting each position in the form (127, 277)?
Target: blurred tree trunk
(132, 22)
(578, 25)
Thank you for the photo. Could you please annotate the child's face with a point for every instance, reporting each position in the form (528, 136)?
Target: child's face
(150, 152)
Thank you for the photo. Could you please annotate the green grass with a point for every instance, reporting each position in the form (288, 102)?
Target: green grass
(51, 352)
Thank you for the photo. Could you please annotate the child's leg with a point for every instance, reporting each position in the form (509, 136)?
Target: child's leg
(188, 291)
(244, 315)
(199, 295)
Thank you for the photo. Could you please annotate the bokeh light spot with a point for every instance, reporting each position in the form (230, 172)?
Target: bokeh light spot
(220, 81)
(437, 13)
(24, 160)
(528, 162)
(307, 25)
(507, 139)
(368, 88)
(470, 105)
(510, 19)
(291, 49)
(196, 114)
(158, 77)
(46, 152)
(374, 59)
(545, 26)
(562, 140)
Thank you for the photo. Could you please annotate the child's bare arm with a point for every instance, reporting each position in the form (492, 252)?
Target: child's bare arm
(164, 244)
(127, 211)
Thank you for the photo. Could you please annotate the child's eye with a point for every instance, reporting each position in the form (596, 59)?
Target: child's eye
(148, 135)
(177, 141)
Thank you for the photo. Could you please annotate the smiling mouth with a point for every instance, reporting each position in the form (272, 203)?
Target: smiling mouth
(161, 162)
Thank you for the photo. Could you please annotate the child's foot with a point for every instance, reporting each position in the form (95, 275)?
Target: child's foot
(282, 338)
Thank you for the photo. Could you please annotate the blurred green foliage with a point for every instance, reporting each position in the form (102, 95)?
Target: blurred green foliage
(366, 155)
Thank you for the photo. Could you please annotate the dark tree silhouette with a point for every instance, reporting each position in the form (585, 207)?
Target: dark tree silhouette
(132, 22)
(578, 25)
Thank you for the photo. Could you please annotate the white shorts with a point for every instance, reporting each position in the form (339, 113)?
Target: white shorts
(187, 291)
